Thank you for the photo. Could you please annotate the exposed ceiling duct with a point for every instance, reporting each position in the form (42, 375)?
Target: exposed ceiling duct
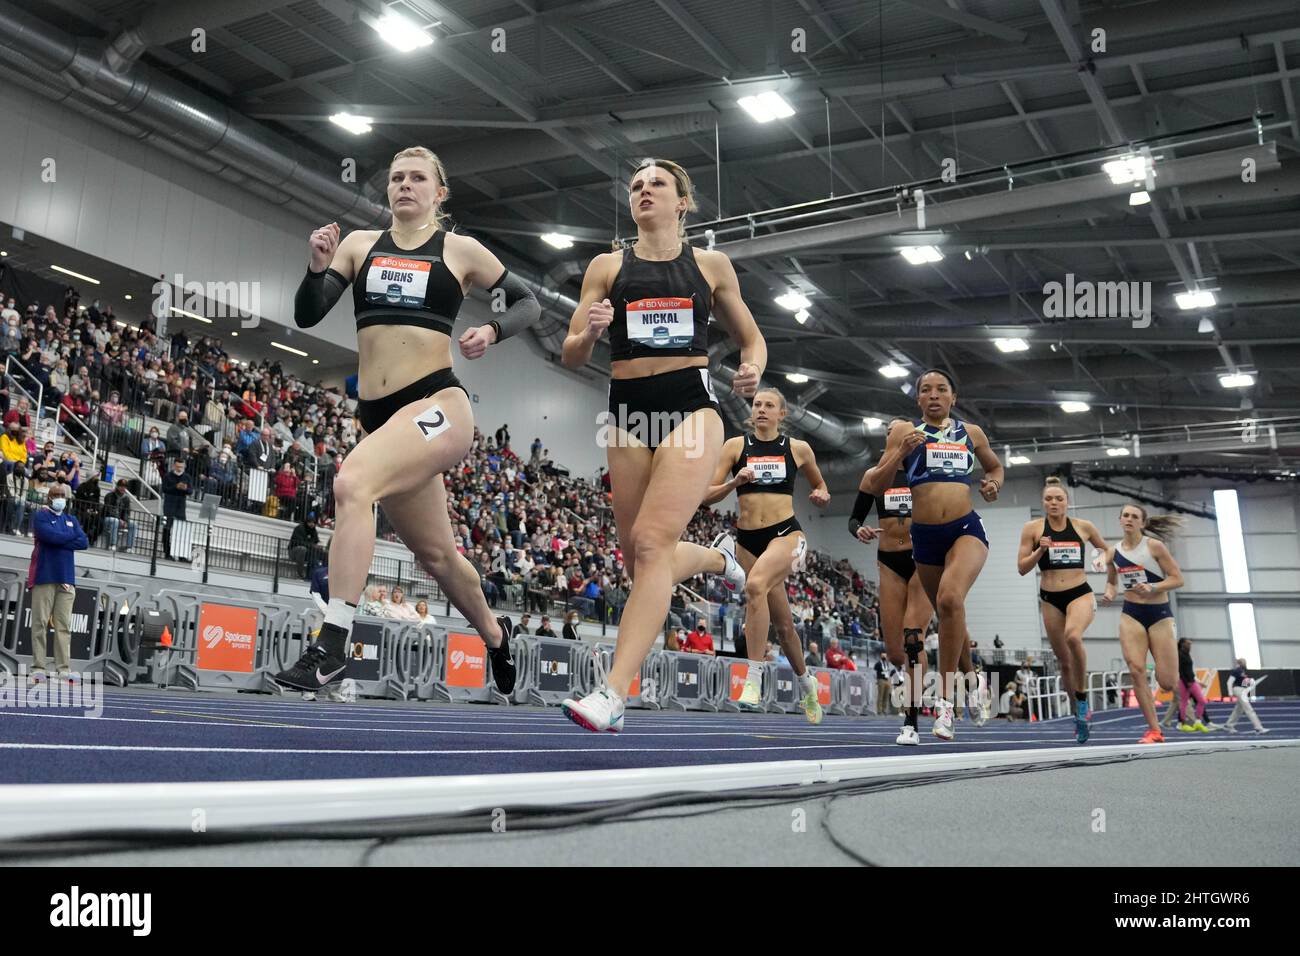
(167, 110)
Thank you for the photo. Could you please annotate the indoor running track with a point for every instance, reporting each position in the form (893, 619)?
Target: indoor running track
(161, 736)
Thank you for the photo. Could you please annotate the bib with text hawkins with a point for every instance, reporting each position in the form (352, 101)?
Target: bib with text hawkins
(1065, 553)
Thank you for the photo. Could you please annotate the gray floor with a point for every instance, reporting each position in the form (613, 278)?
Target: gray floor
(1153, 812)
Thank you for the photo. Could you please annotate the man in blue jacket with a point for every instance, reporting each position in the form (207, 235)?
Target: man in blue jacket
(52, 578)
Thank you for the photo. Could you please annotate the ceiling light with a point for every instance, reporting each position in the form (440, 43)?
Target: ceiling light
(557, 240)
(1197, 299)
(968, 255)
(315, 361)
(797, 377)
(919, 255)
(801, 316)
(1126, 169)
(1139, 198)
(3, 253)
(1011, 345)
(793, 301)
(1206, 325)
(893, 371)
(75, 275)
(191, 315)
(289, 348)
(128, 297)
(1075, 407)
(1017, 460)
(356, 125)
(235, 334)
(766, 107)
(1237, 380)
(873, 423)
(1118, 452)
(400, 32)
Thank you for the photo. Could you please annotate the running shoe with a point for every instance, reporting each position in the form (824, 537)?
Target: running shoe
(316, 668)
(308, 695)
(599, 711)
(734, 575)
(1229, 729)
(812, 708)
(908, 737)
(1205, 728)
(1081, 728)
(943, 720)
(1187, 728)
(1152, 737)
(503, 665)
(799, 560)
(1262, 731)
(749, 699)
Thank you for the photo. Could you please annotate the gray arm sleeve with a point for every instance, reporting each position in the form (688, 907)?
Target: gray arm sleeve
(521, 306)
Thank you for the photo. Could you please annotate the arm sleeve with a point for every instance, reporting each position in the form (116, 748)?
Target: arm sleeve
(861, 508)
(522, 308)
(316, 295)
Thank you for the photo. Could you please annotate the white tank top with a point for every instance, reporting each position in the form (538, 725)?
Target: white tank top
(1136, 565)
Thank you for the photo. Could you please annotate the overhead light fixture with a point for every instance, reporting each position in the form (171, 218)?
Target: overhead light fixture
(766, 107)
(557, 240)
(1129, 168)
(920, 255)
(801, 316)
(797, 377)
(1011, 345)
(1237, 380)
(1075, 407)
(290, 348)
(793, 301)
(1196, 299)
(315, 361)
(1139, 198)
(356, 125)
(873, 423)
(893, 371)
(1205, 326)
(3, 253)
(1017, 460)
(128, 297)
(235, 334)
(191, 315)
(1118, 452)
(75, 275)
(968, 255)
(401, 33)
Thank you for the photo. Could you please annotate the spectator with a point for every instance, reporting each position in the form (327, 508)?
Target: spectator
(522, 626)
(836, 658)
(422, 609)
(544, 629)
(976, 661)
(180, 440)
(286, 489)
(223, 476)
(376, 604)
(997, 642)
(116, 509)
(320, 583)
(1018, 705)
(813, 658)
(884, 681)
(175, 489)
(260, 451)
(19, 414)
(153, 447)
(700, 641)
(1239, 685)
(399, 610)
(13, 446)
(1189, 686)
(570, 630)
(304, 545)
(672, 639)
(86, 506)
(51, 577)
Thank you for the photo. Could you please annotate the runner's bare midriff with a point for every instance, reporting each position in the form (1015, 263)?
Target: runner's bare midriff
(649, 365)
(939, 502)
(759, 510)
(390, 357)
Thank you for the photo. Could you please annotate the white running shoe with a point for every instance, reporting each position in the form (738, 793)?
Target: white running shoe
(750, 700)
(908, 737)
(599, 711)
(799, 560)
(943, 720)
(1262, 731)
(734, 575)
(308, 695)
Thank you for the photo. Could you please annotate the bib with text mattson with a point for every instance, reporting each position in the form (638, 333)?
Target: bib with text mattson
(898, 500)
(661, 323)
(396, 281)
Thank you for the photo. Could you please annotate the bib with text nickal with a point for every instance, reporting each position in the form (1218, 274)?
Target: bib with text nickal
(898, 501)
(768, 469)
(393, 280)
(661, 323)
(948, 458)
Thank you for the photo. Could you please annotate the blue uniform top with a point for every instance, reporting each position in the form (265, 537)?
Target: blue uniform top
(947, 455)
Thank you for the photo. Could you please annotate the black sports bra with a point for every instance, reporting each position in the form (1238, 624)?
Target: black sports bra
(772, 463)
(660, 308)
(406, 286)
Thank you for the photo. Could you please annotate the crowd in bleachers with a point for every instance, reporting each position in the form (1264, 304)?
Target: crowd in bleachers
(538, 536)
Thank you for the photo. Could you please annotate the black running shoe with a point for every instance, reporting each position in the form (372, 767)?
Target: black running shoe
(503, 665)
(316, 668)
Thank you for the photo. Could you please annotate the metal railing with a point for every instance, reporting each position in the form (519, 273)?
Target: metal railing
(12, 363)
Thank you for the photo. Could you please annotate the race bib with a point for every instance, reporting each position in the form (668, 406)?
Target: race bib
(1131, 576)
(1067, 553)
(661, 323)
(898, 501)
(767, 469)
(947, 458)
(396, 281)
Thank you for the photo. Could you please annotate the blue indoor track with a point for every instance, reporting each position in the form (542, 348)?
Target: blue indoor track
(157, 736)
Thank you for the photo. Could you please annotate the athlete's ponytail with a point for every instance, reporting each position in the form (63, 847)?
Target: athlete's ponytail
(1160, 527)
